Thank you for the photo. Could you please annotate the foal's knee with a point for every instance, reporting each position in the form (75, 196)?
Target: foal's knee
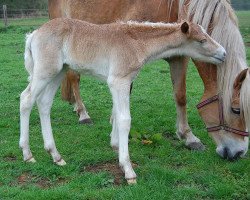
(124, 122)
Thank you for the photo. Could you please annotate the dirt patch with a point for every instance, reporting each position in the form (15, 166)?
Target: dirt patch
(10, 158)
(41, 182)
(113, 168)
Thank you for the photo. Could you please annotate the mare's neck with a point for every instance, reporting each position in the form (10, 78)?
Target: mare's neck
(208, 74)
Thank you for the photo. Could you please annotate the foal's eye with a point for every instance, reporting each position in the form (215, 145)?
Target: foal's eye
(202, 41)
(236, 111)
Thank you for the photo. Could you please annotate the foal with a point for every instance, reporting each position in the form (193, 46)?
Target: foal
(114, 52)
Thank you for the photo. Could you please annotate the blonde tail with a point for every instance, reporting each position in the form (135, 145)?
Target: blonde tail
(28, 59)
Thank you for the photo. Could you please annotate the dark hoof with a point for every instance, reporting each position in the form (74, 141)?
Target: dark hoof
(86, 121)
(198, 146)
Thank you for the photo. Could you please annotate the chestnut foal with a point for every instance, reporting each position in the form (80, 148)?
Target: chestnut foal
(114, 52)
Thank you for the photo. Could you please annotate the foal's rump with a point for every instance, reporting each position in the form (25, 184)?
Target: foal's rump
(72, 42)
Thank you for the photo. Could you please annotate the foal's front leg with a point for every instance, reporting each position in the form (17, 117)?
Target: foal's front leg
(121, 123)
(178, 67)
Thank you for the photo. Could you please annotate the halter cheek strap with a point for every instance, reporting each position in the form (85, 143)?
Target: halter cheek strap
(222, 125)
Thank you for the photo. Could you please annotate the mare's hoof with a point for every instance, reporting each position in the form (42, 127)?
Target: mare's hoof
(131, 181)
(86, 121)
(198, 146)
(61, 162)
(31, 160)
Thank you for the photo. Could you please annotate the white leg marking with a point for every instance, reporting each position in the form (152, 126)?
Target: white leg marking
(44, 103)
(27, 100)
(120, 94)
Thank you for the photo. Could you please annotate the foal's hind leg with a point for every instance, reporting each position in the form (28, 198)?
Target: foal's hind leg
(44, 103)
(27, 99)
(178, 68)
(114, 136)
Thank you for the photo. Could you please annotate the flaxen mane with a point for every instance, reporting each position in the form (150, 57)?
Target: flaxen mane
(219, 20)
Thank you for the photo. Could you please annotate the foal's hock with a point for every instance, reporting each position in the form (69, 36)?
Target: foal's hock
(113, 52)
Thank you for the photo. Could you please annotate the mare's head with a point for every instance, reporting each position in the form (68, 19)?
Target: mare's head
(228, 79)
(200, 46)
(234, 144)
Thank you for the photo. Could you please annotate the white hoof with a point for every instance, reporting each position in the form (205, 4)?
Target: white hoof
(61, 162)
(31, 160)
(131, 181)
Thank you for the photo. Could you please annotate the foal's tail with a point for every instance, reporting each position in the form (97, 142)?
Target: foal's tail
(245, 99)
(28, 59)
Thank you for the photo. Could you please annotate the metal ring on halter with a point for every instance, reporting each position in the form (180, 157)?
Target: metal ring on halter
(222, 125)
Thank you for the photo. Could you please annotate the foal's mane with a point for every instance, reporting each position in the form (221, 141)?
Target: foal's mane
(148, 24)
(219, 20)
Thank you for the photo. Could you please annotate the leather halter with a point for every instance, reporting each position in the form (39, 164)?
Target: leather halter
(222, 125)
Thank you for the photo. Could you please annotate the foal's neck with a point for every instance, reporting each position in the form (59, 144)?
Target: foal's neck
(158, 39)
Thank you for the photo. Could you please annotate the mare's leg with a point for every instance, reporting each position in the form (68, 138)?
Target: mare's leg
(178, 67)
(44, 103)
(71, 93)
(120, 88)
(27, 100)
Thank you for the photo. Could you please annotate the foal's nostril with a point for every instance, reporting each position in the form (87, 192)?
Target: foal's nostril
(225, 153)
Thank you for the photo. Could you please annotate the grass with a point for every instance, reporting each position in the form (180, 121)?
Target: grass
(165, 169)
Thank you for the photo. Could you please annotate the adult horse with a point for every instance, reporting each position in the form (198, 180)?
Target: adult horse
(226, 125)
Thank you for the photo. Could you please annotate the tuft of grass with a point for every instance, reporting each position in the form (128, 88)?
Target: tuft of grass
(165, 168)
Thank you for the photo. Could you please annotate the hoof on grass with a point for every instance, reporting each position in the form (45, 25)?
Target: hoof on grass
(131, 181)
(198, 146)
(31, 160)
(61, 162)
(86, 121)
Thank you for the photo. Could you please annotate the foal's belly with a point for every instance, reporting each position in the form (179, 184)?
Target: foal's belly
(98, 68)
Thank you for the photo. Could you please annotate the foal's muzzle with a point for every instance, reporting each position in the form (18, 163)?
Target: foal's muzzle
(220, 55)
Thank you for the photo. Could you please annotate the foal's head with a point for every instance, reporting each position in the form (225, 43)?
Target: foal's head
(200, 46)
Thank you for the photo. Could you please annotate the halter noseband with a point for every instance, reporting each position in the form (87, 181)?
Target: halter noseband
(222, 125)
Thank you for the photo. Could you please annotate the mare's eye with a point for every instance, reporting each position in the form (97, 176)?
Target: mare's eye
(236, 111)
(202, 41)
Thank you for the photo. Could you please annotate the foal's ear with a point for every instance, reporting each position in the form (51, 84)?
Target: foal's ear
(240, 78)
(184, 27)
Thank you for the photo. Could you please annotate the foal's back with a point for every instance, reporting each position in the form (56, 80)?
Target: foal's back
(86, 47)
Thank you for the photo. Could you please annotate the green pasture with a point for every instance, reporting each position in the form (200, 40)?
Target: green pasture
(165, 168)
